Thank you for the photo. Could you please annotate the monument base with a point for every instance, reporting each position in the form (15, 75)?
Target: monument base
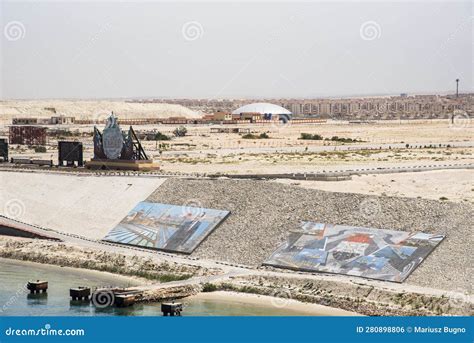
(136, 165)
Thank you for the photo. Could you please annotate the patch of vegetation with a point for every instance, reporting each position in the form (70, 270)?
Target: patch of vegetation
(443, 198)
(180, 131)
(309, 136)
(40, 148)
(343, 140)
(209, 287)
(252, 136)
(163, 146)
(161, 137)
(316, 137)
(172, 277)
(66, 133)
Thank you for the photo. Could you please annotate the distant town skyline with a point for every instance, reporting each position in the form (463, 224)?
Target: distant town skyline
(233, 50)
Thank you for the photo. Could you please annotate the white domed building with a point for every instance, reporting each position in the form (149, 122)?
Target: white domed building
(267, 110)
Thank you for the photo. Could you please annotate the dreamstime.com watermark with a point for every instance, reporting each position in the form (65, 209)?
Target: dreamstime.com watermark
(192, 30)
(192, 209)
(14, 30)
(103, 298)
(460, 120)
(370, 30)
(45, 331)
(14, 208)
(281, 298)
(21, 292)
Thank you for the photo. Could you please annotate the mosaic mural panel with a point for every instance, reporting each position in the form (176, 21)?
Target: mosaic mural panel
(367, 252)
(166, 227)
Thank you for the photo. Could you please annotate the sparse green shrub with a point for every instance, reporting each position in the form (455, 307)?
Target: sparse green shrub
(161, 137)
(252, 136)
(309, 136)
(209, 287)
(40, 148)
(180, 131)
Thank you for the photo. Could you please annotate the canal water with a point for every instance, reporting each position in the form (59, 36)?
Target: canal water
(15, 300)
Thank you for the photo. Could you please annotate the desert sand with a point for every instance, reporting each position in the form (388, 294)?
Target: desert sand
(448, 185)
(89, 109)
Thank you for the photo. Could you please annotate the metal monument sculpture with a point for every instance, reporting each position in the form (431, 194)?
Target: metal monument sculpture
(115, 149)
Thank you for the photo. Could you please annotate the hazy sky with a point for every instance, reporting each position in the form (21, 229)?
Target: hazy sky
(240, 49)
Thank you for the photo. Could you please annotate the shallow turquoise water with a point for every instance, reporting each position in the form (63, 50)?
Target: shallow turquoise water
(15, 300)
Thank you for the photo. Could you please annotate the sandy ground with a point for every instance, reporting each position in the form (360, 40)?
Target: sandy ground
(200, 137)
(279, 303)
(451, 185)
(206, 152)
(83, 205)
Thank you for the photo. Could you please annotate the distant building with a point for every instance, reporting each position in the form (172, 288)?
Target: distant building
(25, 121)
(229, 130)
(56, 120)
(62, 120)
(264, 111)
(222, 116)
(27, 135)
(252, 116)
(403, 106)
(208, 117)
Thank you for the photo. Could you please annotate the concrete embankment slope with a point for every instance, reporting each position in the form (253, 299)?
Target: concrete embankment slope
(83, 205)
(263, 212)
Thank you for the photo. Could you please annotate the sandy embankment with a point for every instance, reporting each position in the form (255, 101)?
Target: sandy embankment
(289, 305)
(450, 185)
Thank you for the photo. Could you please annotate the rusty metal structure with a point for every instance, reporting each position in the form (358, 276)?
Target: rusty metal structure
(27, 135)
(37, 286)
(171, 309)
(80, 293)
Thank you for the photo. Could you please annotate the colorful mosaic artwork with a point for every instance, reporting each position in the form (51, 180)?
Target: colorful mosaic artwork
(367, 252)
(166, 227)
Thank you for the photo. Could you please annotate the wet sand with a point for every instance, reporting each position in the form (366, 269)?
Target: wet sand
(293, 307)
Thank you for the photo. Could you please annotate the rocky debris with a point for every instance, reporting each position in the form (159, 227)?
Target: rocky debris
(262, 213)
(169, 293)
